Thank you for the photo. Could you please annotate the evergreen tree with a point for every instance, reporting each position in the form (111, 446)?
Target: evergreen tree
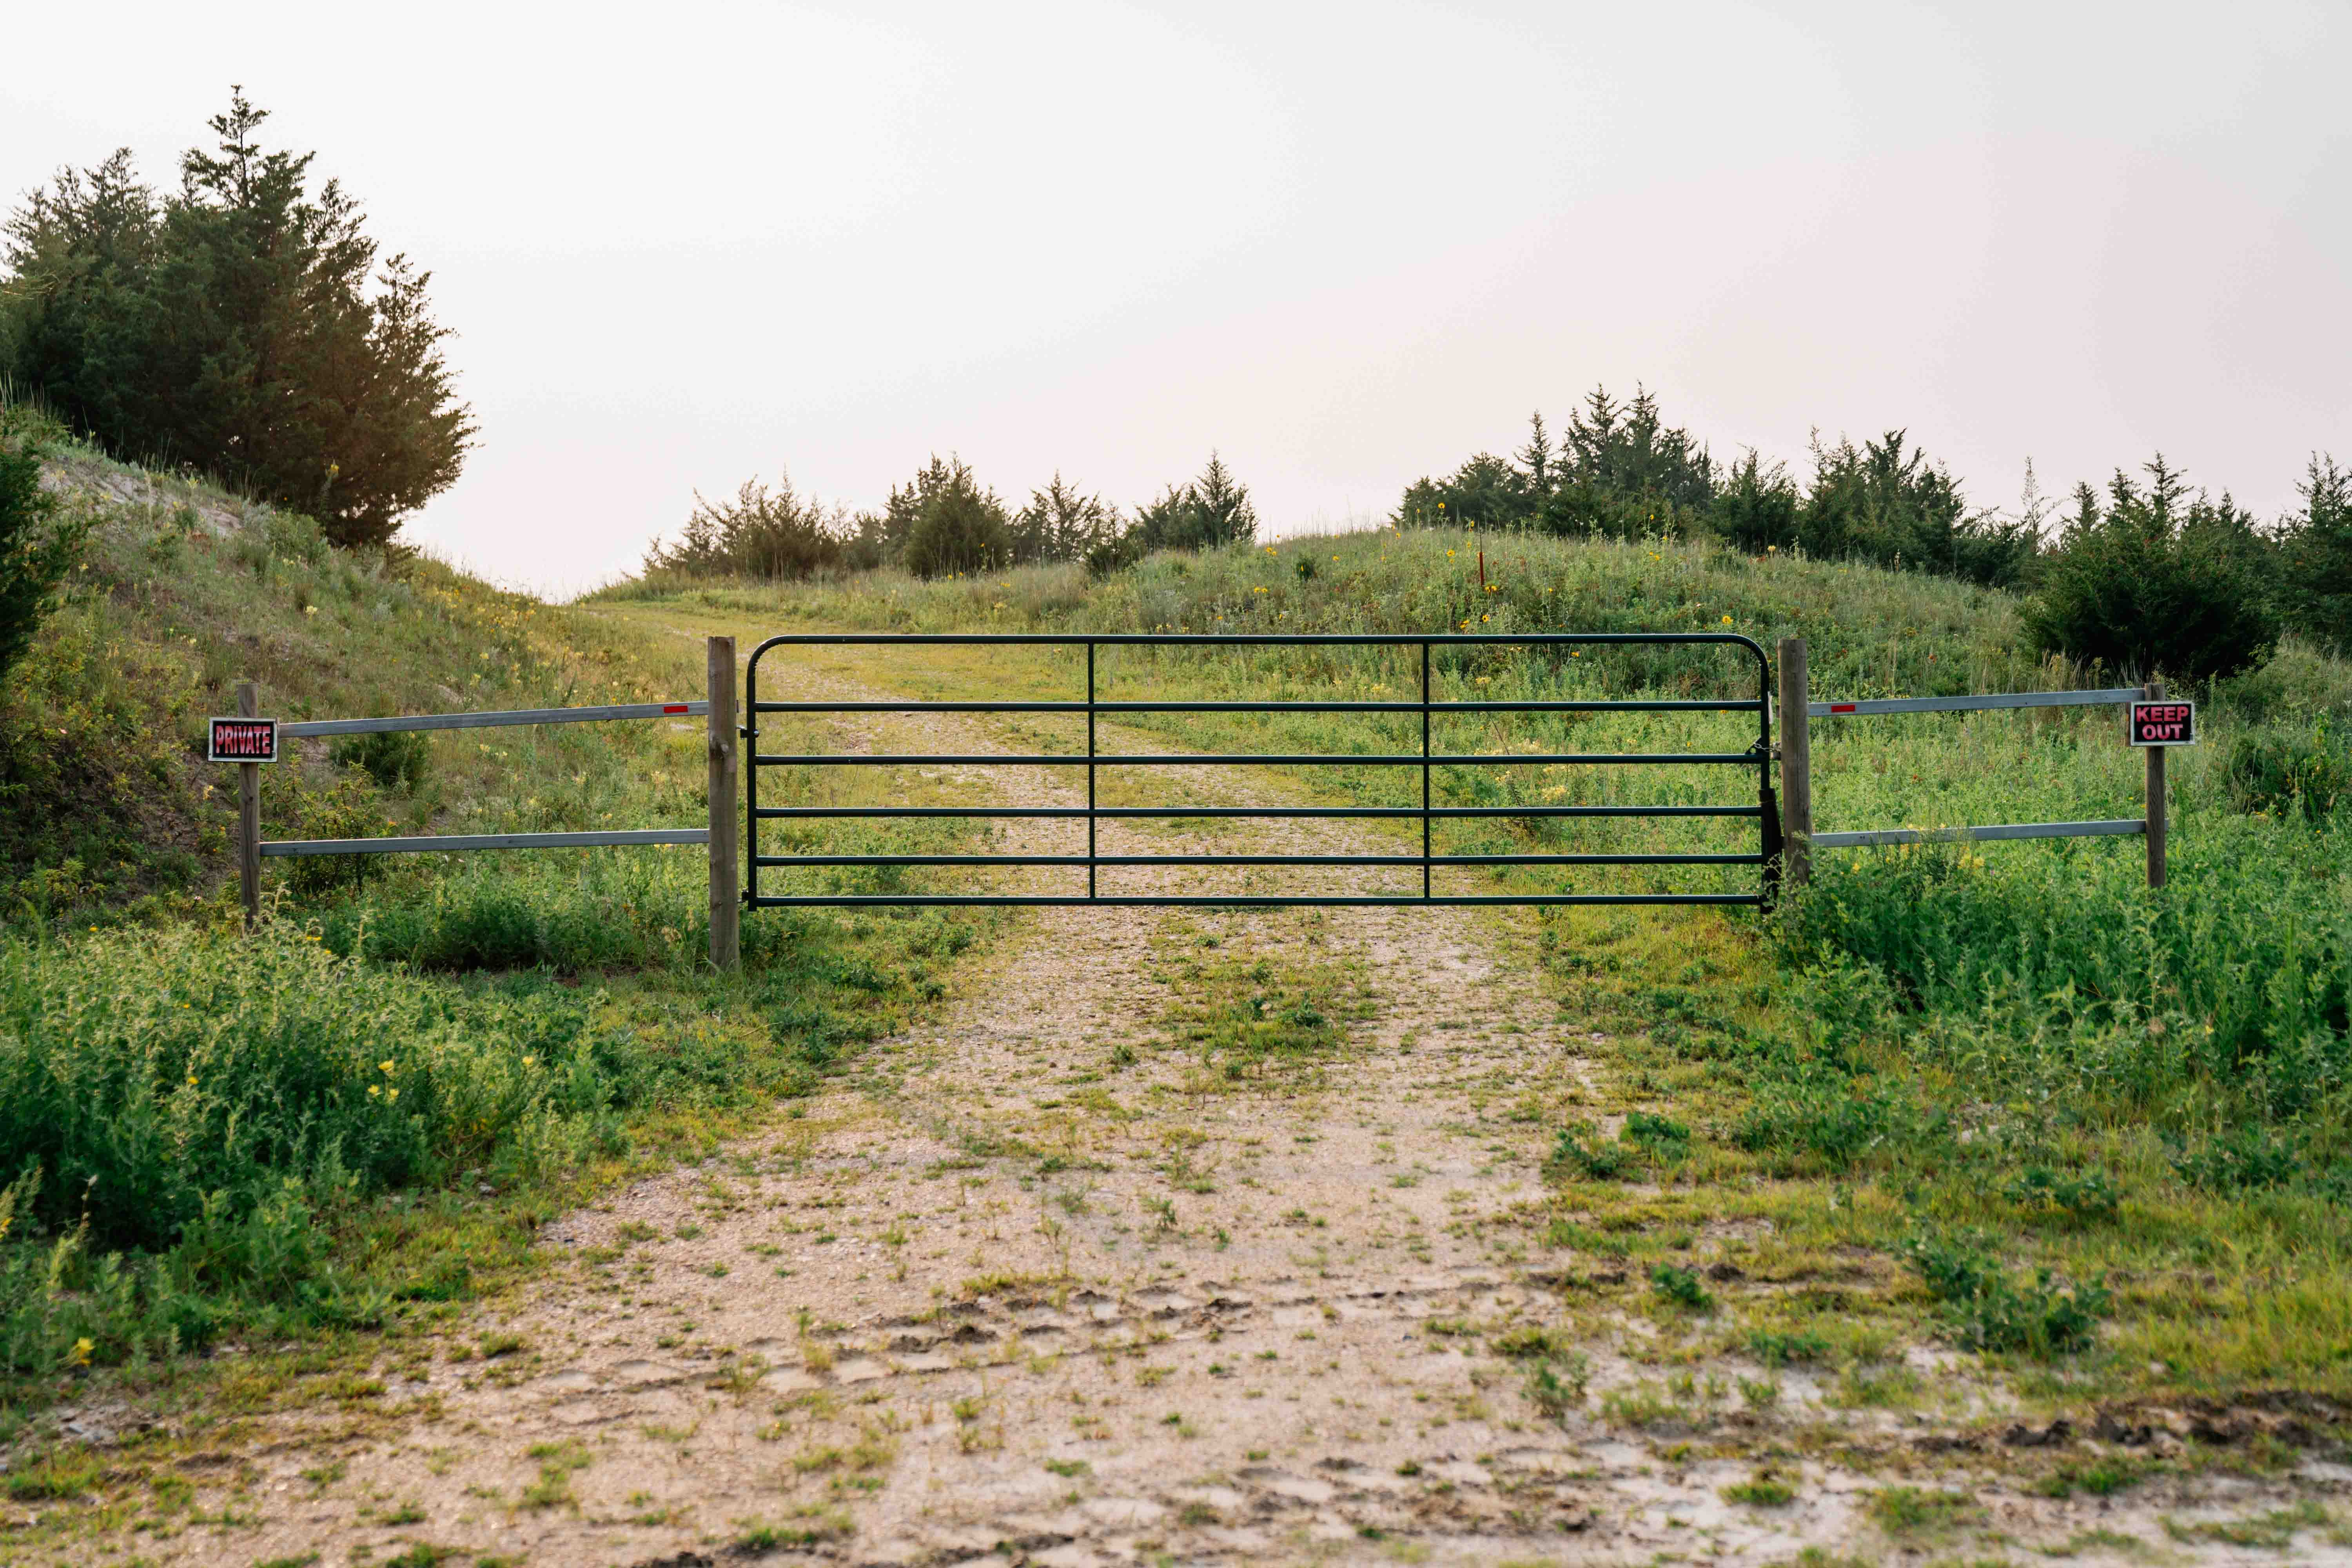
(2156, 581)
(1629, 451)
(1212, 511)
(1061, 524)
(1538, 463)
(1223, 503)
(761, 534)
(1484, 492)
(36, 548)
(243, 325)
(1756, 509)
(2314, 558)
(1886, 503)
(1622, 469)
(957, 526)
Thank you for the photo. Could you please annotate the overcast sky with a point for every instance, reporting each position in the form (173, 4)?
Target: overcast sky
(687, 244)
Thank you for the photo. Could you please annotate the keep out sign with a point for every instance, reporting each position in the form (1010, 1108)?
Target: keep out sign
(242, 740)
(2163, 723)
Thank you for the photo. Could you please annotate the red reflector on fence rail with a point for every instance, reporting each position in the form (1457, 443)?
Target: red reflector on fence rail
(673, 707)
(1841, 707)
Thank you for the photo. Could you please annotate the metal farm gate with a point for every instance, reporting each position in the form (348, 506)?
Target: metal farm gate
(1761, 850)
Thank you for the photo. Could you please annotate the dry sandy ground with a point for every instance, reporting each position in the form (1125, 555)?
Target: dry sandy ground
(1037, 1286)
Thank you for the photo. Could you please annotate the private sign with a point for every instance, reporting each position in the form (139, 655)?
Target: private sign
(242, 741)
(2163, 724)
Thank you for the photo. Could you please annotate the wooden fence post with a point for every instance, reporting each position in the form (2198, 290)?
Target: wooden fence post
(2155, 802)
(1796, 767)
(725, 897)
(249, 813)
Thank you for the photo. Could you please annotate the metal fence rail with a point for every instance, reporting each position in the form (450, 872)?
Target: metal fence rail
(492, 720)
(447, 843)
(2113, 827)
(1092, 707)
(1866, 706)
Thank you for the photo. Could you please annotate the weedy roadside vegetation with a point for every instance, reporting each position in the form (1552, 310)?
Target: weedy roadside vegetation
(356, 1117)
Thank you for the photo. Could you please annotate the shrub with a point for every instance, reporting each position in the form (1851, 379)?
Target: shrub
(2235, 1162)
(36, 548)
(166, 1080)
(774, 535)
(2280, 774)
(397, 760)
(1988, 1312)
(1681, 1286)
(2156, 581)
(1596, 1162)
(2063, 976)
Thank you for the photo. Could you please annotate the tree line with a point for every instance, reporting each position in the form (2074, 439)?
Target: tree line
(2143, 573)
(943, 521)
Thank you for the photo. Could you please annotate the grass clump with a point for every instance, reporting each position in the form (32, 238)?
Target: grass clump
(2088, 1198)
(1778, 1347)
(1763, 1490)
(1919, 1512)
(1988, 1312)
(1680, 1287)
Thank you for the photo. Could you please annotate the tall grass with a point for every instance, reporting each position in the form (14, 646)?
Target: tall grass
(204, 1128)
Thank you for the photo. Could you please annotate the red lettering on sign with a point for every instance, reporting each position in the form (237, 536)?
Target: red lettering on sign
(2163, 724)
(244, 741)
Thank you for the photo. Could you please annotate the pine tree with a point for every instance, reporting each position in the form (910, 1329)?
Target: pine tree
(36, 548)
(1061, 524)
(957, 526)
(1223, 504)
(1539, 464)
(2315, 587)
(244, 326)
(2156, 580)
(1212, 512)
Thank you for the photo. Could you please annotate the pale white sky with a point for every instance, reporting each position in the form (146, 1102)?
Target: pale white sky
(1346, 245)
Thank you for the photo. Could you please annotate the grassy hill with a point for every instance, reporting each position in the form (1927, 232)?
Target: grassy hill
(363, 1110)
